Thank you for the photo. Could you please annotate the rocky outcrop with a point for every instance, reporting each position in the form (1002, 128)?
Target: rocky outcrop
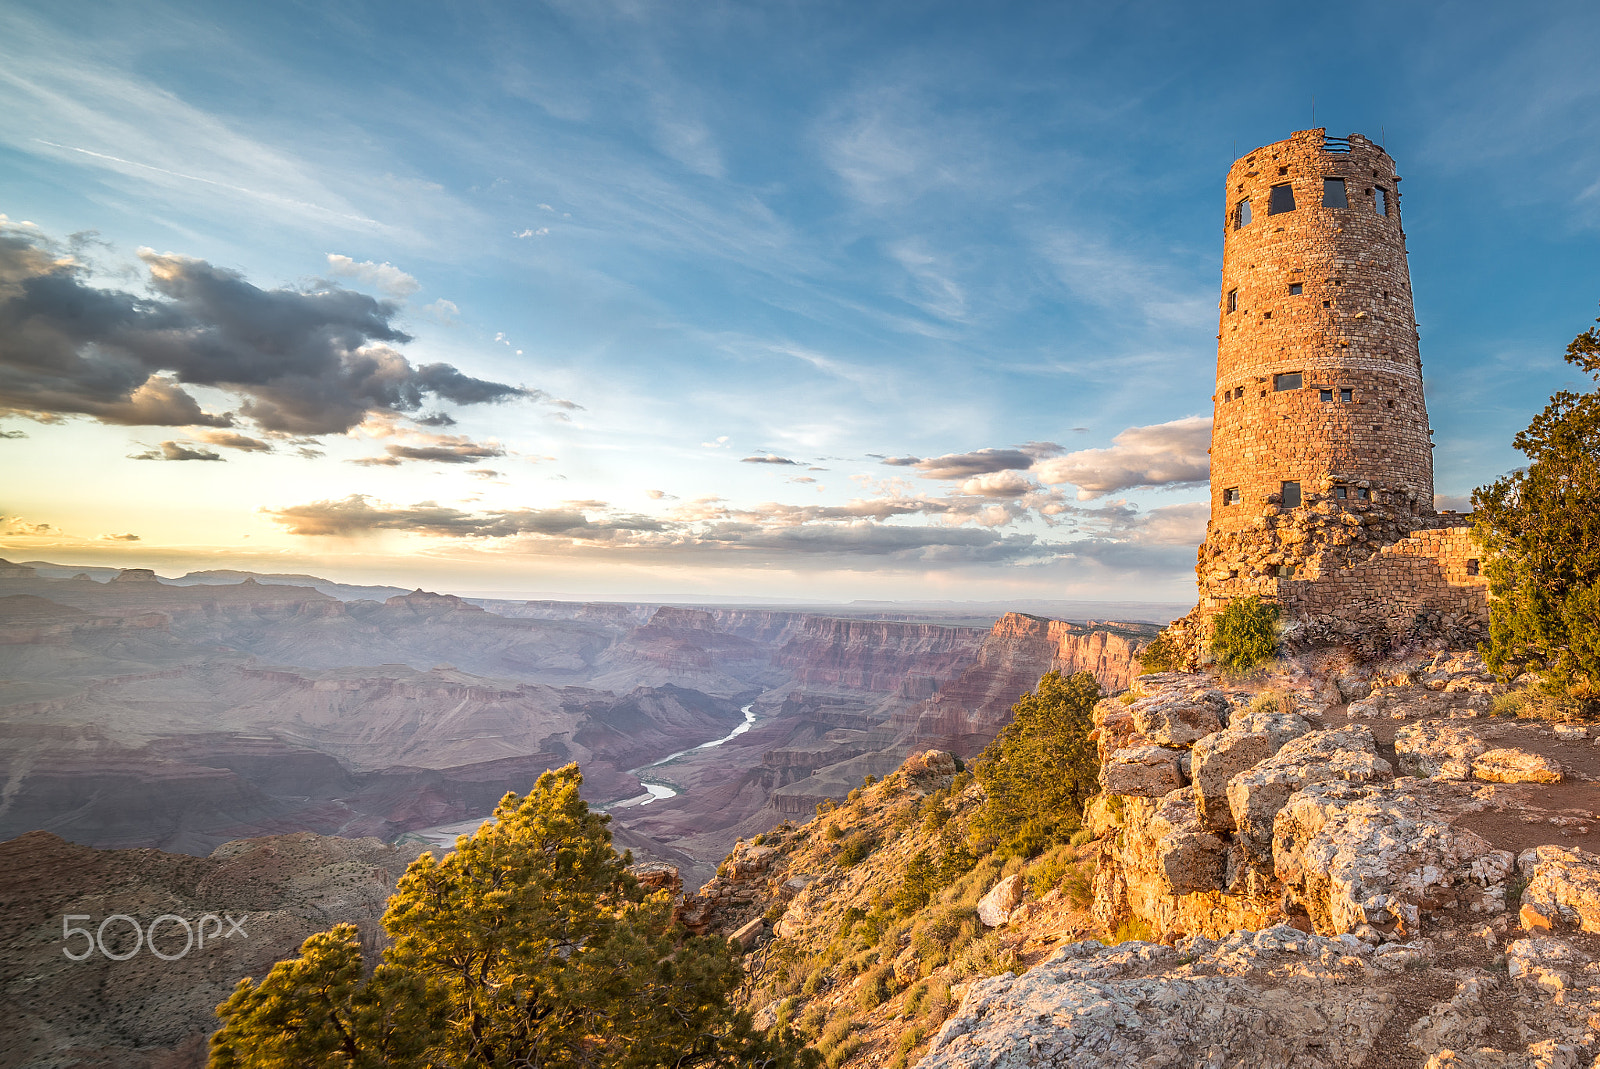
(1273, 817)
(151, 1012)
(1372, 862)
(1274, 998)
(969, 710)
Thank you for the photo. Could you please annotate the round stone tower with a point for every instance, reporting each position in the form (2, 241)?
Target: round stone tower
(1320, 451)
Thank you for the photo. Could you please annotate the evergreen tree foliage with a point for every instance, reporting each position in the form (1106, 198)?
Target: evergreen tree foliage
(1038, 773)
(1540, 528)
(1245, 634)
(531, 944)
(1161, 655)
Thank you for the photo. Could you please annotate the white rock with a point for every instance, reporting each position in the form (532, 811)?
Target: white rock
(1437, 748)
(1516, 766)
(996, 907)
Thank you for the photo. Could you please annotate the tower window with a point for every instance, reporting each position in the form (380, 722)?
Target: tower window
(1333, 193)
(1362, 494)
(1291, 495)
(1230, 496)
(1241, 214)
(1296, 289)
(1380, 200)
(1341, 492)
(1472, 565)
(1282, 200)
(1233, 300)
(1327, 395)
(1347, 394)
(1288, 381)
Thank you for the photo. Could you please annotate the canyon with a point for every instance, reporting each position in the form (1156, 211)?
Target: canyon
(281, 746)
(183, 714)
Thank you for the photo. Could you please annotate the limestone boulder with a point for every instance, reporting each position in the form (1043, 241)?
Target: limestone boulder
(1178, 718)
(1115, 731)
(1511, 765)
(1188, 857)
(1544, 964)
(1439, 748)
(1143, 772)
(1457, 671)
(1256, 795)
(750, 933)
(996, 907)
(1563, 888)
(1375, 861)
(1249, 739)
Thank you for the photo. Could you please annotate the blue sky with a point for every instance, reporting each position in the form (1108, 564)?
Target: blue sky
(542, 297)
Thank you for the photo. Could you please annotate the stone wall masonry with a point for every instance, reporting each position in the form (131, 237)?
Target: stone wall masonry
(1424, 586)
(1322, 292)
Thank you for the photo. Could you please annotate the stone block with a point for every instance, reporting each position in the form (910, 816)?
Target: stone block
(1143, 771)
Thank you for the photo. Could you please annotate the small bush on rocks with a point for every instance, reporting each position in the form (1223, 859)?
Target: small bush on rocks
(1245, 635)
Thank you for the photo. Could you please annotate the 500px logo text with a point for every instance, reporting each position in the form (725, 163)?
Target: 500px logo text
(206, 926)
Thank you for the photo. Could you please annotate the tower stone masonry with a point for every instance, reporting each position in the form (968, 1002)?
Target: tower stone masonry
(1321, 455)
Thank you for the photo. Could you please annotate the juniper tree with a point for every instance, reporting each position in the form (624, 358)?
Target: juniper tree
(1540, 529)
(1038, 772)
(531, 944)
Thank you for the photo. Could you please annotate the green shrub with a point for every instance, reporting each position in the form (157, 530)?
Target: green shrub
(1245, 635)
(842, 1053)
(856, 849)
(1134, 929)
(1078, 886)
(1161, 655)
(833, 833)
(1046, 874)
(875, 988)
(1039, 771)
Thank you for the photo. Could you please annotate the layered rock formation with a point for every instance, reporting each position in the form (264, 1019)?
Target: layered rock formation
(970, 709)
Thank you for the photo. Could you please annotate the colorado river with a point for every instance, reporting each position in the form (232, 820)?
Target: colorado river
(444, 835)
(655, 791)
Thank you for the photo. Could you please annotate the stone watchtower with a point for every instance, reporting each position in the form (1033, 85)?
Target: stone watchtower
(1321, 459)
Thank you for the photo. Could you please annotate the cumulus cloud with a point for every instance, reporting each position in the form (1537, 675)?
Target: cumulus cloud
(965, 465)
(769, 459)
(305, 362)
(120, 538)
(999, 484)
(1163, 454)
(385, 276)
(9, 435)
(176, 451)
